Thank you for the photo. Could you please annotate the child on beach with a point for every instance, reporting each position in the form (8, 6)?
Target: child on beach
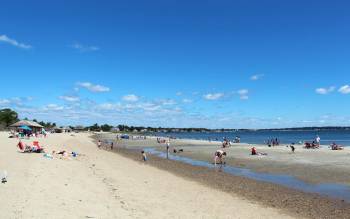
(144, 156)
(99, 144)
(219, 156)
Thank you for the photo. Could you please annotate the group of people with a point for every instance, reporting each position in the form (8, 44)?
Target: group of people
(110, 145)
(314, 144)
(34, 148)
(273, 142)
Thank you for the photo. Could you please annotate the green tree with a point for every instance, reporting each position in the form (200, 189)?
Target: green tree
(106, 127)
(95, 127)
(8, 116)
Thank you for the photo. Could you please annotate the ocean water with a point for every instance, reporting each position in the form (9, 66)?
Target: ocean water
(341, 137)
(333, 190)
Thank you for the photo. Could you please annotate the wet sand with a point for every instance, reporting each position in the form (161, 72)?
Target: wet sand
(294, 202)
(310, 165)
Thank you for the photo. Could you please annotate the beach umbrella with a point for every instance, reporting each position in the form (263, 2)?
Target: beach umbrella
(24, 127)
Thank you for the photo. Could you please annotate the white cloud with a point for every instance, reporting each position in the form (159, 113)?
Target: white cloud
(244, 97)
(4, 102)
(323, 90)
(178, 93)
(187, 100)
(256, 77)
(83, 48)
(168, 102)
(243, 94)
(344, 89)
(53, 107)
(6, 39)
(214, 96)
(70, 98)
(131, 98)
(93, 87)
(110, 106)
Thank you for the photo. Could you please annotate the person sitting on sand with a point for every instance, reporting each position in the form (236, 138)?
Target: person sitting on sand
(254, 152)
(220, 156)
(336, 147)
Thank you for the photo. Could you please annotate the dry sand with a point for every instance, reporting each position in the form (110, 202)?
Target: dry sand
(100, 184)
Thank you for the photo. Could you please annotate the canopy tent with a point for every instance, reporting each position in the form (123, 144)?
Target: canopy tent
(33, 126)
(24, 127)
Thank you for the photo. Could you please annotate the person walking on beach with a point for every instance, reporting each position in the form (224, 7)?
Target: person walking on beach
(112, 144)
(219, 156)
(167, 149)
(99, 144)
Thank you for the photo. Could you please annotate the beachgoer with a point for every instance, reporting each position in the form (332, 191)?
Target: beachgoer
(167, 149)
(21, 145)
(112, 146)
(219, 156)
(144, 156)
(318, 140)
(99, 144)
(293, 148)
(253, 151)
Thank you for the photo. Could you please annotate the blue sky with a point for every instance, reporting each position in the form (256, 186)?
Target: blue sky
(214, 64)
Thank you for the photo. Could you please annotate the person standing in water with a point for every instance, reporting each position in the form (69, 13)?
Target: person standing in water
(318, 140)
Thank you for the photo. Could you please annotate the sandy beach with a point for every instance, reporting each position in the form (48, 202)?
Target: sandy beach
(311, 165)
(100, 184)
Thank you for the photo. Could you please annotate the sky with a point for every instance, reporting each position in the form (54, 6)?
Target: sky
(177, 63)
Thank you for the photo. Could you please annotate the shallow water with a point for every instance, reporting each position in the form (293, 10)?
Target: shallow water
(341, 137)
(339, 191)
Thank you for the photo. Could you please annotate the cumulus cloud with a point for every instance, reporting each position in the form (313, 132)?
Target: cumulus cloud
(187, 100)
(6, 39)
(53, 107)
(167, 102)
(4, 102)
(82, 48)
(110, 106)
(243, 94)
(256, 77)
(70, 98)
(213, 96)
(93, 87)
(344, 89)
(15, 101)
(323, 90)
(131, 98)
